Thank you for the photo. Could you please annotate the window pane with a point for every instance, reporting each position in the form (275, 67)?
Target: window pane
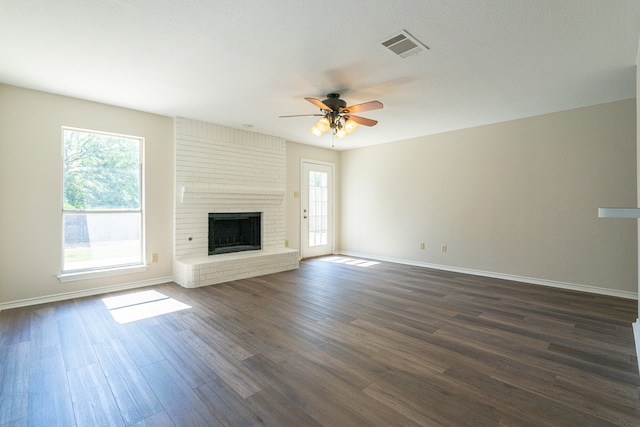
(101, 171)
(101, 240)
(318, 196)
(102, 211)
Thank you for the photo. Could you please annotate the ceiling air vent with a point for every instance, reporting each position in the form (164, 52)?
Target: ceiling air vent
(404, 44)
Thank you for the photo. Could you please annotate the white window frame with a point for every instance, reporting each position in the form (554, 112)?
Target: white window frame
(104, 271)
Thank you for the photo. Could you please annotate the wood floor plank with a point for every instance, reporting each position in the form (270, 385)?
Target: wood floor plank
(598, 388)
(14, 382)
(160, 419)
(352, 373)
(341, 391)
(179, 399)
(229, 407)
(546, 408)
(228, 343)
(132, 394)
(22, 422)
(138, 345)
(189, 366)
(44, 327)
(386, 397)
(75, 343)
(275, 410)
(445, 401)
(93, 401)
(50, 401)
(98, 322)
(251, 334)
(230, 370)
(306, 395)
(14, 326)
(601, 408)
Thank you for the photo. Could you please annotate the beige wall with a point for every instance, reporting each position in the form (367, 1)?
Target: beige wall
(295, 154)
(31, 185)
(518, 198)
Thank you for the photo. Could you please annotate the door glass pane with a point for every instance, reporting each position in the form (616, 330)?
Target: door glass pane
(318, 196)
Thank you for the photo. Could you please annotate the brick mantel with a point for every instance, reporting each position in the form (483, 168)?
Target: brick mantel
(195, 191)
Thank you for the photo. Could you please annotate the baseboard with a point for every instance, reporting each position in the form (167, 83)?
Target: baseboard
(160, 280)
(83, 293)
(636, 337)
(531, 280)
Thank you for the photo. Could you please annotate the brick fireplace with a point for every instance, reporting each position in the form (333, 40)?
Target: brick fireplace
(224, 170)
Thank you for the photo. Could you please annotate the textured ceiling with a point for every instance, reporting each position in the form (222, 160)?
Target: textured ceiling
(239, 63)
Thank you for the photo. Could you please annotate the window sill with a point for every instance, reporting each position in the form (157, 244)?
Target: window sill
(93, 274)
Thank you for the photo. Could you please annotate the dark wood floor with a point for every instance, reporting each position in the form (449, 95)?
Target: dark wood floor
(328, 345)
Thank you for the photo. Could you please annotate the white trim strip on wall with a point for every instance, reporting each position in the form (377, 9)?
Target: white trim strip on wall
(94, 274)
(531, 280)
(83, 293)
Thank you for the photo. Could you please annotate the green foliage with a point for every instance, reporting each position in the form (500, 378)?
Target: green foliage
(101, 171)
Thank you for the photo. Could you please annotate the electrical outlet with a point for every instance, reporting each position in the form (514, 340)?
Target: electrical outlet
(443, 248)
(286, 243)
(422, 245)
(154, 257)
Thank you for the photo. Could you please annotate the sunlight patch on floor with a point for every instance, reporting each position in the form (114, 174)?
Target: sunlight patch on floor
(350, 261)
(141, 305)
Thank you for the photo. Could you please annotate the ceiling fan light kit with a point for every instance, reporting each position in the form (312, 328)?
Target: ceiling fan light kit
(323, 125)
(337, 117)
(341, 126)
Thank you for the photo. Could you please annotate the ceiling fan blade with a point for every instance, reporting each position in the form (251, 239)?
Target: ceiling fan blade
(301, 115)
(367, 106)
(363, 120)
(321, 105)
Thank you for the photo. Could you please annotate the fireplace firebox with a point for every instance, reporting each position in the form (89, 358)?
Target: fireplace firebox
(234, 232)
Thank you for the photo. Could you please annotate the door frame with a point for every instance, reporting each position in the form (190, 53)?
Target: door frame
(304, 183)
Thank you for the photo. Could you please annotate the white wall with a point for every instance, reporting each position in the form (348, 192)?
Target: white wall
(518, 198)
(295, 154)
(31, 186)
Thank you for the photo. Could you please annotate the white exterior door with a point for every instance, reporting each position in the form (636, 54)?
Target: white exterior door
(316, 209)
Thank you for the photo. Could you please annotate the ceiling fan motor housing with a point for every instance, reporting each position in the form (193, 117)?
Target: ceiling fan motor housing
(334, 102)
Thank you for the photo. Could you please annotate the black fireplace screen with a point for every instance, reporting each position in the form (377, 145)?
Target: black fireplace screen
(234, 232)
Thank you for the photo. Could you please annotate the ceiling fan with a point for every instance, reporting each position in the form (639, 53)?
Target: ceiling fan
(339, 118)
